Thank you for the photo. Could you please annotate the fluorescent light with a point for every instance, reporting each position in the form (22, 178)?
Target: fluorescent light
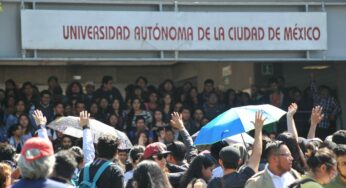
(316, 67)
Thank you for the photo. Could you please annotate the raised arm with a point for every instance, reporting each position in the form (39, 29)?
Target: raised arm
(257, 147)
(40, 121)
(315, 119)
(177, 122)
(88, 144)
(291, 125)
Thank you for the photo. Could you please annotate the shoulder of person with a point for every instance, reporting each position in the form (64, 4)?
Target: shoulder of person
(295, 174)
(311, 184)
(257, 176)
(198, 183)
(116, 167)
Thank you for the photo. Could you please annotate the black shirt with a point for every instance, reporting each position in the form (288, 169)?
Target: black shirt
(112, 177)
(233, 180)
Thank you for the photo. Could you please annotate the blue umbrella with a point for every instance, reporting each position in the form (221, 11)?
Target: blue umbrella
(236, 121)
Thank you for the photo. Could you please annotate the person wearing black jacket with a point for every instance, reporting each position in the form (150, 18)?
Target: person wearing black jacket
(108, 91)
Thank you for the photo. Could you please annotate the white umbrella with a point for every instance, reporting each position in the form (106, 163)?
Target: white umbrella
(70, 126)
(238, 139)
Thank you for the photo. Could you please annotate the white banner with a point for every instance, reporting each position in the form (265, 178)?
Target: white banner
(186, 31)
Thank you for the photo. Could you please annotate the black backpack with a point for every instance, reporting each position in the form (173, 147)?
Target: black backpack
(298, 183)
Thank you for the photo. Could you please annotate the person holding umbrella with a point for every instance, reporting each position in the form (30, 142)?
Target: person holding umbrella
(230, 159)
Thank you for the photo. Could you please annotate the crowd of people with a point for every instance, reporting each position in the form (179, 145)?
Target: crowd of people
(161, 123)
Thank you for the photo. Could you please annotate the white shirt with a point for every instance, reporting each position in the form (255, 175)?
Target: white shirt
(217, 172)
(282, 181)
(127, 176)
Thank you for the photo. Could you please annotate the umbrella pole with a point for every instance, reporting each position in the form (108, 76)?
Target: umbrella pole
(244, 142)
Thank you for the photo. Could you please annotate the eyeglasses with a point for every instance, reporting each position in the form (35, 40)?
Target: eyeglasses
(284, 154)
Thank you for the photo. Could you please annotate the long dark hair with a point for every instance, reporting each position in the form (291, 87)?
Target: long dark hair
(195, 170)
(148, 174)
(30, 128)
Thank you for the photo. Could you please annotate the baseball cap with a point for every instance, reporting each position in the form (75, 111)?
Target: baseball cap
(36, 148)
(229, 154)
(154, 149)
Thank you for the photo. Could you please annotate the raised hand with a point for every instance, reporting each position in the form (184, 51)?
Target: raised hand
(84, 117)
(177, 121)
(39, 118)
(259, 120)
(316, 115)
(292, 109)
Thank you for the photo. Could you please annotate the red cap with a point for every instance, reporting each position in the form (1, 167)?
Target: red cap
(155, 148)
(36, 148)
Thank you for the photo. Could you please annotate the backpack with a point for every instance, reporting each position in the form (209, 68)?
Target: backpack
(298, 183)
(86, 183)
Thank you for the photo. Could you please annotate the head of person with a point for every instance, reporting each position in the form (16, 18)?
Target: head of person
(5, 175)
(279, 157)
(103, 103)
(28, 88)
(24, 121)
(66, 142)
(123, 155)
(45, 97)
(20, 106)
(89, 88)
(136, 154)
(78, 154)
(324, 91)
(93, 109)
(208, 85)
(52, 81)
(141, 81)
(201, 167)
(37, 159)
(74, 88)
(185, 113)
(79, 106)
(116, 105)
(148, 174)
(113, 120)
(10, 85)
(339, 137)
(178, 106)
(198, 114)
(142, 137)
(136, 104)
(216, 148)
(7, 152)
(140, 123)
(15, 130)
(107, 83)
(213, 98)
(229, 158)
(168, 85)
(157, 152)
(193, 92)
(293, 146)
(340, 153)
(59, 108)
(65, 165)
(322, 165)
(169, 135)
(107, 146)
(158, 117)
(178, 151)
(153, 96)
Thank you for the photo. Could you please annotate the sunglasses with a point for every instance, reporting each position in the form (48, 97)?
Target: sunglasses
(160, 156)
